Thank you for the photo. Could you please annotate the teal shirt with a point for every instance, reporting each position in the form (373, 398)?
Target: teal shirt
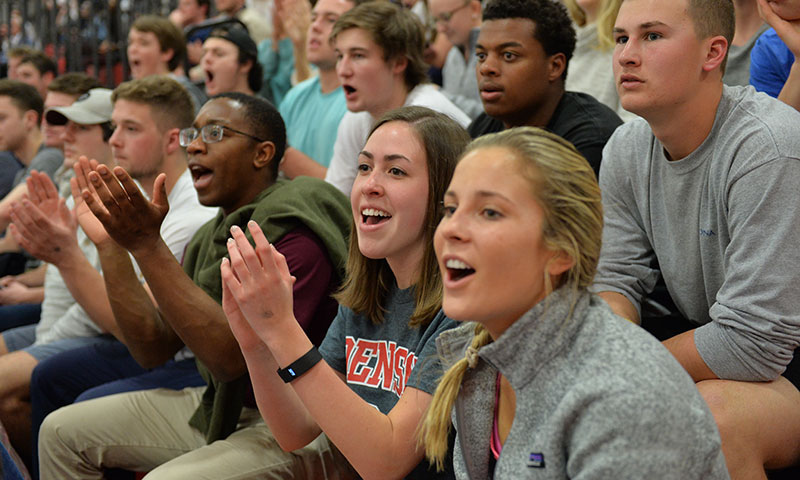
(278, 67)
(312, 119)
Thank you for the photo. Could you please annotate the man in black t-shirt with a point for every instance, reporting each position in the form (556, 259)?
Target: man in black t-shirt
(523, 51)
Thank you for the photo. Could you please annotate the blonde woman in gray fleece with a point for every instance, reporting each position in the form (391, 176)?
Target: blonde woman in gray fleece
(547, 382)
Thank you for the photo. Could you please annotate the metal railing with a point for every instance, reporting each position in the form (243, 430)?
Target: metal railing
(79, 35)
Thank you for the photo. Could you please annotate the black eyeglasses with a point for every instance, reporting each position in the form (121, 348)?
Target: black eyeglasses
(445, 17)
(209, 134)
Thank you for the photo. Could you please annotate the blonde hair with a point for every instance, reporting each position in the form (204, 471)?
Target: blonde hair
(605, 24)
(368, 281)
(605, 20)
(566, 189)
(712, 18)
(575, 12)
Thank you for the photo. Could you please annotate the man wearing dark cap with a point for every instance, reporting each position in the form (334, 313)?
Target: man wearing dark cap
(230, 61)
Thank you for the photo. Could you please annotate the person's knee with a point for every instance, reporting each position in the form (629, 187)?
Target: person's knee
(758, 423)
(718, 397)
(14, 395)
(740, 455)
(63, 446)
(13, 406)
(52, 430)
(49, 428)
(42, 378)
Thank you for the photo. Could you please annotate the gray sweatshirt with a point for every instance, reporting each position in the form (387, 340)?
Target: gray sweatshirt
(597, 398)
(722, 223)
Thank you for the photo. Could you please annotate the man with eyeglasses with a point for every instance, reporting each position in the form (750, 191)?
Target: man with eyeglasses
(460, 21)
(234, 147)
(209, 134)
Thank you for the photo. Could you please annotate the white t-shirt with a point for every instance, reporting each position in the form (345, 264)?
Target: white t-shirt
(62, 317)
(185, 215)
(355, 127)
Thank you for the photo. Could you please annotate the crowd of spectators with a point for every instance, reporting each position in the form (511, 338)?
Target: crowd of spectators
(396, 204)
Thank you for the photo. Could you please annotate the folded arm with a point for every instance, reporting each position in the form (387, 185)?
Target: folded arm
(753, 332)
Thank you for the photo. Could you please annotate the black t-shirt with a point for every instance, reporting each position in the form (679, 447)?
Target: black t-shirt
(579, 118)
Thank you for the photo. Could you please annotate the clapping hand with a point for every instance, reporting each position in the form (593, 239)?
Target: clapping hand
(129, 218)
(86, 219)
(42, 223)
(257, 287)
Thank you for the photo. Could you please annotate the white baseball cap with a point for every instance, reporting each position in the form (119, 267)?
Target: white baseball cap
(91, 108)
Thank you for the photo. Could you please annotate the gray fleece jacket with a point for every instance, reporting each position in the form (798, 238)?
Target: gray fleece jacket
(597, 398)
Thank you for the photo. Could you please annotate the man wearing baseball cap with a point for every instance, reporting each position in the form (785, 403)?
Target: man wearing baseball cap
(88, 128)
(63, 324)
(148, 114)
(22, 294)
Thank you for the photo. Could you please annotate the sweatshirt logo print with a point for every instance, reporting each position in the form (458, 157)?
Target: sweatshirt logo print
(379, 364)
(536, 460)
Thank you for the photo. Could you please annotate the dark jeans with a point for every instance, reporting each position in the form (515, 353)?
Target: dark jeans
(12, 263)
(95, 371)
(12, 316)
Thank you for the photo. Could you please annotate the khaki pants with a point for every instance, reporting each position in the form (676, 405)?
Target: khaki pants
(149, 431)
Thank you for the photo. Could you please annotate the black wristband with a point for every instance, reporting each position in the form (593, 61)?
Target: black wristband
(300, 366)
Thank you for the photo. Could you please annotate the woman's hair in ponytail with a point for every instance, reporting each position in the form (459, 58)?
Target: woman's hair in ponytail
(565, 187)
(435, 426)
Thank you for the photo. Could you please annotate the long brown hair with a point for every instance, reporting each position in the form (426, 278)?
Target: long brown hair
(368, 280)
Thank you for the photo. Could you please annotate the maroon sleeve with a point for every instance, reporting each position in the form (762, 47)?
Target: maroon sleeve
(308, 261)
(314, 307)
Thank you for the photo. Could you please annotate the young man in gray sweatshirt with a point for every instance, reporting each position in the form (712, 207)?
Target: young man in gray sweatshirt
(701, 191)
